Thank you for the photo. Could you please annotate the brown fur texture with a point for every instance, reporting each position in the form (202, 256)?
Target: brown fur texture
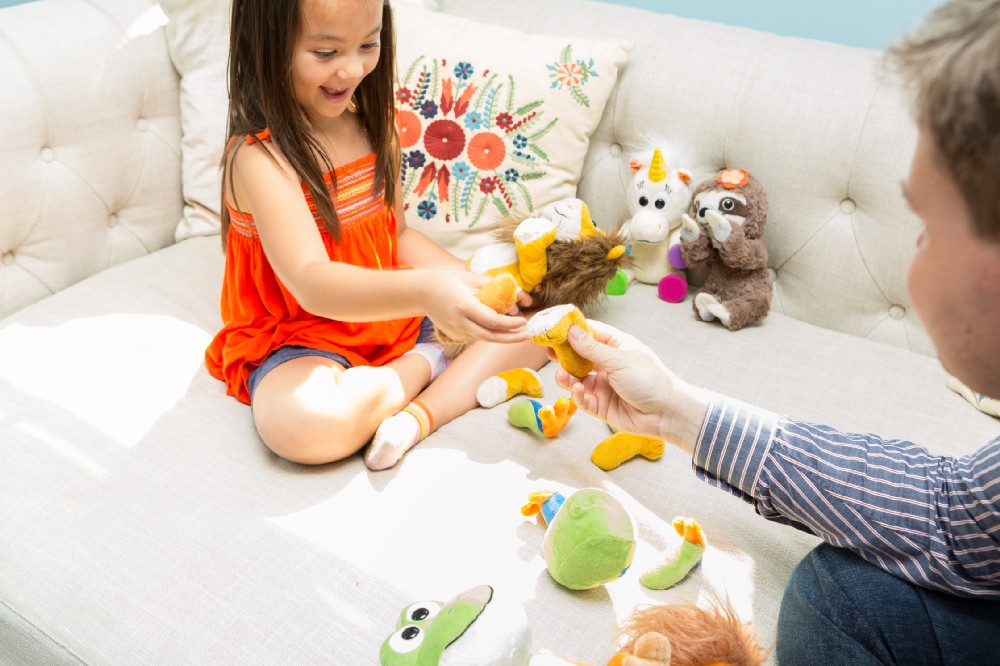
(578, 269)
(737, 267)
(697, 636)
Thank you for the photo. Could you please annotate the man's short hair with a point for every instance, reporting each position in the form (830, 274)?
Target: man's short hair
(952, 63)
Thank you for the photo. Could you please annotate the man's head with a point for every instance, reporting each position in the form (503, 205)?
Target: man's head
(953, 65)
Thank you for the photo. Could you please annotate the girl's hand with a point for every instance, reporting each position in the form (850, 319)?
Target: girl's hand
(453, 307)
(631, 389)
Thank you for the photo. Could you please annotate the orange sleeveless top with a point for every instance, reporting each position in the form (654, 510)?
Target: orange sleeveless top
(260, 315)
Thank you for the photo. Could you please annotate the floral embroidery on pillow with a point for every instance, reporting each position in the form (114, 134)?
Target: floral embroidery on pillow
(572, 74)
(468, 142)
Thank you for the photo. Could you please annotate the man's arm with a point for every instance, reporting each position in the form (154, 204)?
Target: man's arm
(932, 520)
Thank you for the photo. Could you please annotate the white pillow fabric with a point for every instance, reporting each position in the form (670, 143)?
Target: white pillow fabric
(493, 120)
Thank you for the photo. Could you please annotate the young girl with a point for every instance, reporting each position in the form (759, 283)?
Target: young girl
(324, 332)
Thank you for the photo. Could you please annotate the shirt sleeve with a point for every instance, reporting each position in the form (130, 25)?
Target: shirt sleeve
(933, 520)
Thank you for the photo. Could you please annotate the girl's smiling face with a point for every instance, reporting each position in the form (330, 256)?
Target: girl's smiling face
(338, 46)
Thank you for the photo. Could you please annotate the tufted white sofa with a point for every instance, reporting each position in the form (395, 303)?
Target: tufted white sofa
(141, 519)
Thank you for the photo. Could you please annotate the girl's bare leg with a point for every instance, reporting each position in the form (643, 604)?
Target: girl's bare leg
(311, 410)
(448, 397)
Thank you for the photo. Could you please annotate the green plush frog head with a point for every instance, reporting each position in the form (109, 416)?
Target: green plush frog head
(426, 628)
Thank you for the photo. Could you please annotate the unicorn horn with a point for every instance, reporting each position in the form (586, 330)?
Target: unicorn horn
(657, 172)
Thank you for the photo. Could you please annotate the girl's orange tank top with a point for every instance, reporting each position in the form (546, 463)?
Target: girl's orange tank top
(260, 315)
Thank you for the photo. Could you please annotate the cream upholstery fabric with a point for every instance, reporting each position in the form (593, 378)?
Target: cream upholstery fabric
(143, 519)
(89, 133)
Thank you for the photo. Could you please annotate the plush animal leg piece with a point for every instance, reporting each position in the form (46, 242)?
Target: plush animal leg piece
(397, 435)
(712, 636)
(978, 400)
(499, 294)
(652, 649)
(541, 419)
(504, 386)
(685, 559)
(623, 446)
(551, 326)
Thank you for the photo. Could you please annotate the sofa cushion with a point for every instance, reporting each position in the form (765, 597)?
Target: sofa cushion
(145, 521)
(492, 120)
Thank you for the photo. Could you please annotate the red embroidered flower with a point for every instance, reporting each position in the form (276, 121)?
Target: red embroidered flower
(487, 185)
(444, 139)
(504, 120)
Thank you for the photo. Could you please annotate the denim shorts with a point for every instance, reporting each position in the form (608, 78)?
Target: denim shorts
(285, 354)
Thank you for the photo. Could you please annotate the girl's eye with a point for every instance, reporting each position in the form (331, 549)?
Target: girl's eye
(373, 45)
(324, 54)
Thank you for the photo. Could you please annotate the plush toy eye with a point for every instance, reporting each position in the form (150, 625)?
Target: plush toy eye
(642, 197)
(422, 610)
(728, 204)
(661, 201)
(407, 639)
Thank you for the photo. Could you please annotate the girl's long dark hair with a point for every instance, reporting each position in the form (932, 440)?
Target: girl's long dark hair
(262, 37)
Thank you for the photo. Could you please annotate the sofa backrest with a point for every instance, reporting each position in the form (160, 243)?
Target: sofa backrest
(90, 142)
(819, 124)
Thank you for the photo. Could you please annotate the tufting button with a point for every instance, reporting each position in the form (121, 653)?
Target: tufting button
(897, 312)
(615, 149)
(112, 220)
(847, 206)
(47, 154)
(7, 258)
(141, 125)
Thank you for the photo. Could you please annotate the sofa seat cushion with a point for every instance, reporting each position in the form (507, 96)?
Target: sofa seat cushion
(144, 520)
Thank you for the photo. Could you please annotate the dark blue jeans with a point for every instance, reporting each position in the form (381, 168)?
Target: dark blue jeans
(839, 609)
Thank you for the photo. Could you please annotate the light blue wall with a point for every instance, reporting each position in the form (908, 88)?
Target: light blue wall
(871, 23)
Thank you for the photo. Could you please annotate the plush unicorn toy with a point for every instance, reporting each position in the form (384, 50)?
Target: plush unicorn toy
(658, 196)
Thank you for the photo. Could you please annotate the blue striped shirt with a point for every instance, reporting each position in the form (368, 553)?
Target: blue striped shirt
(929, 519)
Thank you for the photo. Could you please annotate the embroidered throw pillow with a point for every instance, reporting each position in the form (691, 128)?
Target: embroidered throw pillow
(492, 120)
(198, 40)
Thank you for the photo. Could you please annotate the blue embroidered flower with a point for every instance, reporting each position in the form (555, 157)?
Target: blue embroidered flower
(416, 159)
(474, 120)
(426, 209)
(511, 175)
(520, 141)
(463, 71)
(461, 170)
(428, 109)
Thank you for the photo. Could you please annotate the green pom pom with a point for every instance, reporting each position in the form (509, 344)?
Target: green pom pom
(618, 284)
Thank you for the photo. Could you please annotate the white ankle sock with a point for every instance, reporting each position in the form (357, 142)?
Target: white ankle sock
(433, 353)
(397, 435)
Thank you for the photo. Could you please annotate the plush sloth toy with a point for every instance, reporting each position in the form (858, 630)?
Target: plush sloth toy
(724, 232)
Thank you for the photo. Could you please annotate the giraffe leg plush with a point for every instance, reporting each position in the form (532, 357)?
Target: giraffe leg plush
(686, 558)
(551, 326)
(504, 386)
(623, 446)
(547, 420)
(499, 294)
